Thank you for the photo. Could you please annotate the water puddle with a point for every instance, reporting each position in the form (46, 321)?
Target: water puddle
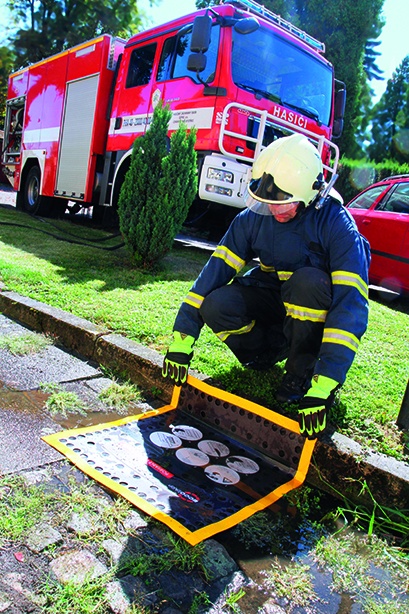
(321, 570)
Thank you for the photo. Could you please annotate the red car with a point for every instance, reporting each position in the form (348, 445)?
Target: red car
(382, 216)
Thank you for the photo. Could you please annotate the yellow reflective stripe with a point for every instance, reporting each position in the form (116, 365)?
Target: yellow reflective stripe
(305, 313)
(267, 269)
(195, 300)
(342, 337)
(346, 278)
(240, 331)
(229, 258)
(284, 275)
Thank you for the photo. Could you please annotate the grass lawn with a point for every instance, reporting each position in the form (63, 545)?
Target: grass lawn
(102, 286)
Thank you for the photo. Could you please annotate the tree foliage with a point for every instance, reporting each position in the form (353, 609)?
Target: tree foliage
(6, 67)
(390, 119)
(345, 27)
(46, 27)
(158, 189)
(372, 71)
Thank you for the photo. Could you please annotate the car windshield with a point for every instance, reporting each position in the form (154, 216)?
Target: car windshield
(273, 68)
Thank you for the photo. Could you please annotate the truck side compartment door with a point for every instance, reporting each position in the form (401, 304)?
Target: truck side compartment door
(76, 137)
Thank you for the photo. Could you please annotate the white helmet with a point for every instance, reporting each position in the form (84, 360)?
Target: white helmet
(287, 171)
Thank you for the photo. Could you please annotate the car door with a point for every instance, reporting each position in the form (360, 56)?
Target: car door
(370, 225)
(397, 208)
(385, 226)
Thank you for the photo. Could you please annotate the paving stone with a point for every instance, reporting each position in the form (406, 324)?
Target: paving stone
(85, 524)
(270, 607)
(22, 425)
(5, 602)
(43, 535)
(17, 582)
(217, 560)
(52, 365)
(134, 521)
(77, 567)
(122, 593)
(218, 590)
(114, 549)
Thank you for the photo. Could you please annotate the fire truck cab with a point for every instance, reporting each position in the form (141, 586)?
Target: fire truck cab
(241, 75)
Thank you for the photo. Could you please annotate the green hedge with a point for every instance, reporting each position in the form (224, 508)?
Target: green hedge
(356, 175)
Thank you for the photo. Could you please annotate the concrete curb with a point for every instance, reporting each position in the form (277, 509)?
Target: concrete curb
(340, 466)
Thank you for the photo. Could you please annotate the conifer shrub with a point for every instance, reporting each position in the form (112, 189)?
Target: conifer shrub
(158, 189)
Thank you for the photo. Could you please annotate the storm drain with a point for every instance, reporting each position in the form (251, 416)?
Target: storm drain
(199, 465)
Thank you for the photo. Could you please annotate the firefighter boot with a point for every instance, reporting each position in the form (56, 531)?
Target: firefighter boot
(268, 359)
(293, 387)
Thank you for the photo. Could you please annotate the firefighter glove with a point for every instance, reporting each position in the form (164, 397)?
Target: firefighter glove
(178, 357)
(313, 408)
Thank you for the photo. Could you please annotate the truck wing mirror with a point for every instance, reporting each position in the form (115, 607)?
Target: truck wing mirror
(202, 28)
(196, 62)
(340, 99)
(246, 25)
(339, 110)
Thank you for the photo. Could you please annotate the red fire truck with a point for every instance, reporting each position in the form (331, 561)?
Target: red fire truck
(240, 74)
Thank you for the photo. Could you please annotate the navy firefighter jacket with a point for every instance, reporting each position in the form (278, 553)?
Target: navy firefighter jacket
(325, 238)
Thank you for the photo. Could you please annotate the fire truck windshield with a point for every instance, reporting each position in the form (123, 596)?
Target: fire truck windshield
(274, 68)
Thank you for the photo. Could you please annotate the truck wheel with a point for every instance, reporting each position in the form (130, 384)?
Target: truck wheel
(34, 203)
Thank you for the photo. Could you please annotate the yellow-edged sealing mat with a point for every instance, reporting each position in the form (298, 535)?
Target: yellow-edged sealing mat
(200, 465)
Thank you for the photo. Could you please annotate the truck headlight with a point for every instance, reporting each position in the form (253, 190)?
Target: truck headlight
(219, 175)
(217, 189)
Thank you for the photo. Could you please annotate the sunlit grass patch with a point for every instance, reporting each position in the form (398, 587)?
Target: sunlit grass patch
(353, 559)
(120, 396)
(27, 343)
(88, 598)
(293, 581)
(21, 508)
(62, 402)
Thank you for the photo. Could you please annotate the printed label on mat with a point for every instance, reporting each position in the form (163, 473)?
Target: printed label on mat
(186, 432)
(242, 464)
(165, 440)
(191, 456)
(213, 448)
(222, 475)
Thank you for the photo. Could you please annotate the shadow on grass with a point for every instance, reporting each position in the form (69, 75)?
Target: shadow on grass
(79, 264)
(395, 301)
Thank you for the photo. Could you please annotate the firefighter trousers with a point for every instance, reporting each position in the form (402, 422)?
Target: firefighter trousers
(254, 319)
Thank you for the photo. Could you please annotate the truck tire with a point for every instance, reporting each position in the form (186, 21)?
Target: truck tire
(34, 203)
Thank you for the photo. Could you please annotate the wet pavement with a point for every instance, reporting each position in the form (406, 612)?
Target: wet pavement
(23, 382)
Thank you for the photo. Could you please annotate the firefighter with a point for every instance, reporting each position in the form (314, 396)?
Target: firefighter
(306, 300)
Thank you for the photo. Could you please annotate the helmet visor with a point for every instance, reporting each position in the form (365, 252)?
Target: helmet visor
(265, 208)
(266, 190)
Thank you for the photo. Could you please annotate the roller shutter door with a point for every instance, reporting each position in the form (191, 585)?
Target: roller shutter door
(76, 138)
